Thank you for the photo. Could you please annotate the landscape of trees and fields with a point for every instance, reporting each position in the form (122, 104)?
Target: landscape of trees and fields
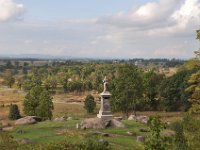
(123, 95)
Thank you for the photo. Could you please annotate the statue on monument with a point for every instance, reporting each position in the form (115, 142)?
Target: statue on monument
(105, 81)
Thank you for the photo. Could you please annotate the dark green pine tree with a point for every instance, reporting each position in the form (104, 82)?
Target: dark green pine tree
(90, 104)
(14, 112)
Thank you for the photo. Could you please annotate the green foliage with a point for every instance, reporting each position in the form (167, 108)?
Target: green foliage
(38, 102)
(194, 88)
(155, 140)
(14, 112)
(9, 79)
(191, 126)
(172, 91)
(127, 89)
(152, 81)
(89, 103)
(180, 138)
(45, 106)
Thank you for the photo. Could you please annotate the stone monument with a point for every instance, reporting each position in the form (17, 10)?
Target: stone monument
(105, 112)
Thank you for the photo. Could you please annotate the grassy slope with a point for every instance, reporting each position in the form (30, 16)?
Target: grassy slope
(49, 131)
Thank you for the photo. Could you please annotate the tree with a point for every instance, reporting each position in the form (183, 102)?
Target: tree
(45, 106)
(8, 78)
(14, 112)
(38, 102)
(172, 91)
(194, 82)
(127, 89)
(151, 82)
(89, 104)
(31, 100)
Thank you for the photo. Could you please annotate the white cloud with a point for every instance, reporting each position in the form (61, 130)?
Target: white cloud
(10, 10)
(159, 28)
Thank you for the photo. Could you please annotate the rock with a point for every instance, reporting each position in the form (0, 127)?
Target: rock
(69, 118)
(104, 142)
(98, 123)
(132, 117)
(118, 118)
(143, 130)
(141, 138)
(20, 131)
(131, 133)
(141, 119)
(93, 123)
(28, 120)
(78, 126)
(117, 124)
(26, 141)
(60, 119)
(7, 128)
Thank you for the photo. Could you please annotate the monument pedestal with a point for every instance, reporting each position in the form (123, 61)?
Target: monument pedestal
(105, 111)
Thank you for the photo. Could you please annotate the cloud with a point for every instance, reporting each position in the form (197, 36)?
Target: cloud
(9, 10)
(160, 28)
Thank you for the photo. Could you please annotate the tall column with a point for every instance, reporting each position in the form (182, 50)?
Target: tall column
(105, 111)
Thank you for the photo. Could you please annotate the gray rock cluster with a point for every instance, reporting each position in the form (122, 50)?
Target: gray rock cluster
(98, 123)
(28, 120)
(61, 119)
(141, 119)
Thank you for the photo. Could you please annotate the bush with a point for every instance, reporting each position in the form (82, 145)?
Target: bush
(180, 139)
(14, 112)
(90, 104)
(155, 140)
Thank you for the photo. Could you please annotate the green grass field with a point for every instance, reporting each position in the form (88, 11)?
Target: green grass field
(49, 131)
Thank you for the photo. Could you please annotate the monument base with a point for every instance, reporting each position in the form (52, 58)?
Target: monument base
(105, 115)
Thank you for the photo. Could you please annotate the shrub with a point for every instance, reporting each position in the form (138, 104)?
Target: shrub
(155, 140)
(90, 104)
(180, 139)
(14, 112)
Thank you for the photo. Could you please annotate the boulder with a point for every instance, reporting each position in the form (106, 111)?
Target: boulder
(117, 124)
(104, 142)
(141, 119)
(118, 118)
(78, 126)
(26, 141)
(98, 123)
(60, 119)
(69, 118)
(93, 123)
(7, 128)
(28, 120)
(132, 117)
(131, 133)
(141, 138)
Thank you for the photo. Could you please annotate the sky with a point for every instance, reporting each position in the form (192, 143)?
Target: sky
(100, 28)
